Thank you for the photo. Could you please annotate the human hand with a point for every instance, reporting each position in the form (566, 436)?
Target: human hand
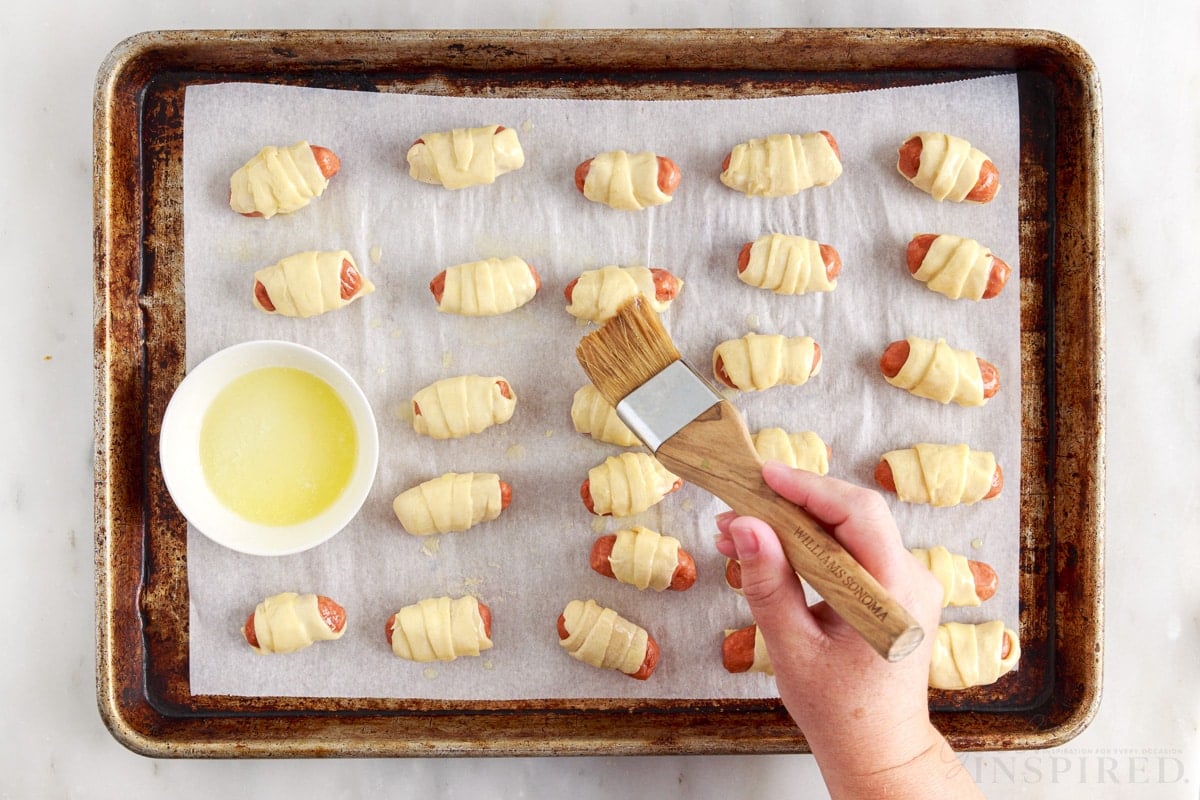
(861, 714)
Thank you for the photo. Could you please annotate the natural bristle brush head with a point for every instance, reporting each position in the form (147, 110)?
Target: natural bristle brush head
(628, 350)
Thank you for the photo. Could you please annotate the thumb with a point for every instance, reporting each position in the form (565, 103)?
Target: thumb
(770, 585)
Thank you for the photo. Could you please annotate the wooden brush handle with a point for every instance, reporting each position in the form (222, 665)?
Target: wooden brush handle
(714, 452)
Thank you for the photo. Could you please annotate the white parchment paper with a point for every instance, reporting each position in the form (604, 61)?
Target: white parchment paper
(528, 564)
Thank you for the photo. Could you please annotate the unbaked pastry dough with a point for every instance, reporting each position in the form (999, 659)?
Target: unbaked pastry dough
(644, 558)
(287, 622)
(455, 407)
(781, 164)
(940, 372)
(941, 475)
(599, 293)
(596, 417)
(487, 288)
(625, 181)
(762, 659)
(953, 572)
(628, 484)
(760, 360)
(787, 265)
(966, 655)
(949, 167)
(465, 157)
(603, 638)
(309, 283)
(956, 267)
(453, 502)
(440, 629)
(803, 450)
(279, 180)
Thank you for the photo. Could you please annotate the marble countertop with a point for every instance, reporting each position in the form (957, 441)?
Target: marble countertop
(1144, 740)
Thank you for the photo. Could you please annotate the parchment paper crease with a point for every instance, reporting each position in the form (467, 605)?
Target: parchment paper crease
(528, 564)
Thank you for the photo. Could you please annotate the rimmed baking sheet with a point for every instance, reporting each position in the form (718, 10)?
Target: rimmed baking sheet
(143, 661)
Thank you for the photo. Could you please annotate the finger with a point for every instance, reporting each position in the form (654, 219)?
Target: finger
(724, 544)
(722, 540)
(774, 593)
(858, 518)
(832, 501)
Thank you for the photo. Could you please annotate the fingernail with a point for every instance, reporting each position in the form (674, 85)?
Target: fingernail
(723, 517)
(744, 540)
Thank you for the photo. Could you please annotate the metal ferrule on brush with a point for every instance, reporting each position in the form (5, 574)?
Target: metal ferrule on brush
(665, 404)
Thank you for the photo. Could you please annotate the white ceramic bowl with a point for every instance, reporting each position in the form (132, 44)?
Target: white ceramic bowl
(179, 450)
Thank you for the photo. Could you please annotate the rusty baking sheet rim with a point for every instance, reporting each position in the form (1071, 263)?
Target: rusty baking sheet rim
(1065, 350)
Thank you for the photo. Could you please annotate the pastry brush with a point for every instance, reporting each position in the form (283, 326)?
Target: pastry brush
(701, 437)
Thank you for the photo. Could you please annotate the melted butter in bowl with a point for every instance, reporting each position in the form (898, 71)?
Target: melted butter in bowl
(277, 445)
(269, 448)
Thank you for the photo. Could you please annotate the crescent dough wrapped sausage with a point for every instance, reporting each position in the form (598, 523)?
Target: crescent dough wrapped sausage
(287, 622)
(453, 502)
(744, 650)
(596, 417)
(599, 293)
(602, 638)
(644, 558)
(782, 164)
(465, 157)
(787, 265)
(941, 475)
(440, 629)
(628, 484)
(949, 167)
(954, 572)
(310, 283)
(804, 450)
(455, 407)
(625, 181)
(937, 371)
(278, 180)
(759, 361)
(966, 655)
(487, 288)
(956, 267)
